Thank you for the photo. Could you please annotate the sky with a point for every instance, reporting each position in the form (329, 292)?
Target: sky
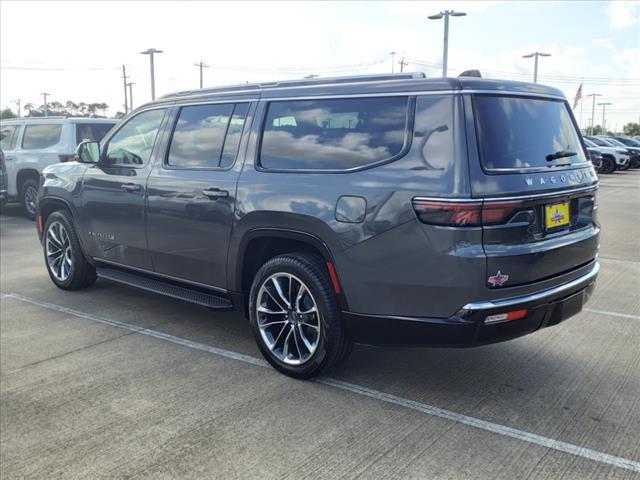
(75, 50)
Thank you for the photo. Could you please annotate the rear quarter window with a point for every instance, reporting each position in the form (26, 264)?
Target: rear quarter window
(92, 132)
(8, 136)
(333, 134)
(516, 133)
(41, 136)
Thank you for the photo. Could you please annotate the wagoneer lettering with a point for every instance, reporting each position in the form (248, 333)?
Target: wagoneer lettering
(378, 210)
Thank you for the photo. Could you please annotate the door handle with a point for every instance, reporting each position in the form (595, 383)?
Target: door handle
(131, 187)
(215, 193)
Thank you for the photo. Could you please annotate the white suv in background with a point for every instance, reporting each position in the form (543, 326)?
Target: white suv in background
(31, 144)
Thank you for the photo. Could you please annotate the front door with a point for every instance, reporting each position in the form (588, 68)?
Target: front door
(191, 193)
(113, 193)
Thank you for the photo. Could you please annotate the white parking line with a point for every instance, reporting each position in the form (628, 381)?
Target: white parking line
(613, 314)
(359, 390)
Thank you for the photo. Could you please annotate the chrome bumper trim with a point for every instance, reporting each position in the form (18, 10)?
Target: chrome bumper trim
(507, 302)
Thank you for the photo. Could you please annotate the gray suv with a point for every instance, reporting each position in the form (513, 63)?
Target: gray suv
(389, 209)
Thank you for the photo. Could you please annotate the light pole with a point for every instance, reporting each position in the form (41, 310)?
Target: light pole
(535, 55)
(201, 65)
(445, 52)
(130, 85)
(393, 63)
(151, 52)
(46, 106)
(593, 110)
(604, 106)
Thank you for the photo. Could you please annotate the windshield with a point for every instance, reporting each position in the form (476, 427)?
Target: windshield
(614, 142)
(600, 141)
(630, 142)
(516, 133)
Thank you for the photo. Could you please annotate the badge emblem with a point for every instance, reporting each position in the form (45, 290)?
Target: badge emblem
(498, 279)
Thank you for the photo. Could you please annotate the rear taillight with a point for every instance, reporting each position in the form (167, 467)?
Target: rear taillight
(66, 158)
(464, 213)
(453, 214)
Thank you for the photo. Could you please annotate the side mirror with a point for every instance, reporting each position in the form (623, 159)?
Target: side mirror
(88, 152)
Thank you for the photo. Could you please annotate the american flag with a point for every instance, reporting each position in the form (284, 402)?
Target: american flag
(578, 97)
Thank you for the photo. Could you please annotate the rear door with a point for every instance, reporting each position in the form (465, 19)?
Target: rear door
(191, 192)
(528, 163)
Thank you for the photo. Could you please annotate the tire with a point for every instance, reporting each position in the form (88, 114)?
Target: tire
(608, 165)
(63, 256)
(307, 336)
(28, 196)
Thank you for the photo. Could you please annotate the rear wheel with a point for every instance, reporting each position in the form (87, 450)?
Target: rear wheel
(295, 317)
(28, 197)
(63, 255)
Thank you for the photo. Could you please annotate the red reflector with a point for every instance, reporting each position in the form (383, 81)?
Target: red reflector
(334, 277)
(39, 223)
(506, 317)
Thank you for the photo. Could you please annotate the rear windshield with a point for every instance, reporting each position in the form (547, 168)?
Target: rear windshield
(517, 133)
(91, 131)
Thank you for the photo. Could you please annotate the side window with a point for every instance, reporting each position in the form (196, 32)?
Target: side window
(335, 134)
(207, 136)
(132, 145)
(8, 136)
(91, 131)
(41, 136)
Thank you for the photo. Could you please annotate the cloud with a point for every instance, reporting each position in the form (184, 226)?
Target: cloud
(604, 42)
(623, 14)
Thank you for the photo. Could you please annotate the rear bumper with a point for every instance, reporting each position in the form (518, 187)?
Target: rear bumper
(467, 328)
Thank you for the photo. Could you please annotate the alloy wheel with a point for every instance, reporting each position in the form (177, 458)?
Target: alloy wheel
(288, 318)
(58, 250)
(30, 195)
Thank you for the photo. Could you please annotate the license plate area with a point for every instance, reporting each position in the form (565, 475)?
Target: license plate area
(556, 216)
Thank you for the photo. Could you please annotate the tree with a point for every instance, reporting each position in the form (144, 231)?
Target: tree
(7, 113)
(631, 129)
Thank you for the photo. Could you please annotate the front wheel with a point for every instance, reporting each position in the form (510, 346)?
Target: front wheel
(608, 165)
(295, 317)
(63, 255)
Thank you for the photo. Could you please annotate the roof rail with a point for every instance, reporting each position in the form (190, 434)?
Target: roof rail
(52, 117)
(302, 82)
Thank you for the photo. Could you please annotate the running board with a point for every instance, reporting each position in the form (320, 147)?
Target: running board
(209, 300)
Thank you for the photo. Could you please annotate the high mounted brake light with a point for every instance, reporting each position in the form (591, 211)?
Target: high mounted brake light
(463, 213)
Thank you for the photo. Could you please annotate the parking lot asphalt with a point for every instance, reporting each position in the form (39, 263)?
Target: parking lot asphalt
(112, 382)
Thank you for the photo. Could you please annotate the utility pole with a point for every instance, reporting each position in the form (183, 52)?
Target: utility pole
(535, 55)
(151, 52)
(604, 106)
(593, 110)
(46, 106)
(124, 81)
(445, 51)
(393, 63)
(130, 85)
(17, 102)
(402, 64)
(201, 65)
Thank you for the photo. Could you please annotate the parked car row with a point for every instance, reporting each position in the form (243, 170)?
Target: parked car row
(609, 154)
(31, 144)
